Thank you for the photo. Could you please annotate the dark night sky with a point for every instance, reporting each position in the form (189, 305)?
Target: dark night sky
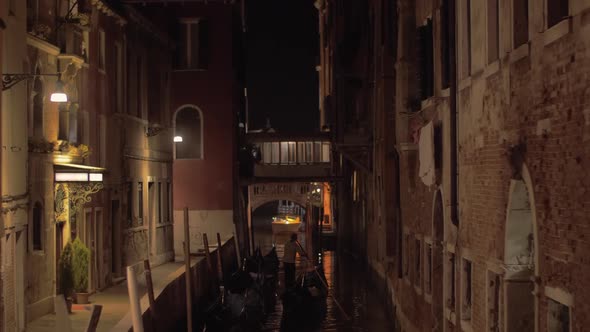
(281, 58)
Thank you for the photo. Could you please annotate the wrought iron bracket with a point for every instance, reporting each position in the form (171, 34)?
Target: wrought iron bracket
(9, 80)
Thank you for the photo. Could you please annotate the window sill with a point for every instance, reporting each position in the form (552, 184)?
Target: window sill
(464, 83)
(164, 224)
(136, 229)
(557, 31)
(450, 316)
(426, 103)
(428, 298)
(445, 92)
(40, 253)
(491, 69)
(407, 280)
(418, 290)
(407, 146)
(520, 52)
(466, 325)
(102, 71)
(188, 70)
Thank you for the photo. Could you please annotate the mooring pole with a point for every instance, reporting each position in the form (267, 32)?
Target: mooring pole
(187, 273)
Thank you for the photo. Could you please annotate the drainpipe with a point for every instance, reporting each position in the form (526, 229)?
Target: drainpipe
(453, 125)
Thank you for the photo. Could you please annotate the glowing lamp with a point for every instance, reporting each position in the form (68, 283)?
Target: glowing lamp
(177, 139)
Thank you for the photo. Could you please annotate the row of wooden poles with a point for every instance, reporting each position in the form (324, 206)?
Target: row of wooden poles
(134, 299)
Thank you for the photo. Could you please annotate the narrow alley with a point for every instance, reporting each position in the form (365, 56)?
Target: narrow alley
(295, 165)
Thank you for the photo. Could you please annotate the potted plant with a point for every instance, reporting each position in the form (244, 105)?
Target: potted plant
(80, 263)
(66, 283)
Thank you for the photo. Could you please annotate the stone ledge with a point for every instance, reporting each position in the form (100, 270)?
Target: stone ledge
(557, 31)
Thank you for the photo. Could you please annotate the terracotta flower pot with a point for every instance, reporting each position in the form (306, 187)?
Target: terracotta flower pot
(82, 298)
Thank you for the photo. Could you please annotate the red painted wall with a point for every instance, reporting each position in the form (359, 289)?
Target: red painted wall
(207, 184)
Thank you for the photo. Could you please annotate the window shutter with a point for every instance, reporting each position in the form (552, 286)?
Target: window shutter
(203, 50)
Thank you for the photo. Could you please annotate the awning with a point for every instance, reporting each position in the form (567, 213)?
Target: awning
(68, 172)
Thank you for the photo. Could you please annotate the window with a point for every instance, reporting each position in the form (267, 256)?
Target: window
(284, 153)
(520, 22)
(428, 269)
(407, 255)
(37, 226)
(276, 152)
(119, 77)
(326, 152)
(189, 126)
(129, 203)
(450, 280)
(140, 203)
(300, 152)
(446, 31)
(12, 7)
(160, 210)
(494, 310)
(170, 206)
(139, 87)
(493, 30)
(194, 44)
(292, 153)
(418, 263)
(558, 316)
(557, 10)
(426, 60)
(101, 50)
(466, 287)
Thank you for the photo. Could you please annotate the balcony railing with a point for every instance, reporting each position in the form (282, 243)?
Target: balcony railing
(294, 152)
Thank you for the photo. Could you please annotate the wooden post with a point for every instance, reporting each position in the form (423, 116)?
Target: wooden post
(237, 245)
(150, 287)
(61, 310)
(134, 300)
(219, 260)
(94, 318)
(187, 273)
(207, 253)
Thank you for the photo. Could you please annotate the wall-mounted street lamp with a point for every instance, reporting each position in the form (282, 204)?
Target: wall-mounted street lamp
(153, 131)
(58, 96)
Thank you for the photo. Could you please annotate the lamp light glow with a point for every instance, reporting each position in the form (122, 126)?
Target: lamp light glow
(177, 139)
(95, 177)
(59, 95)
(71, 176)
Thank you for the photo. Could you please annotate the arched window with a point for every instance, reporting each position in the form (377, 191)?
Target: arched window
(37, 226)
(189, 126)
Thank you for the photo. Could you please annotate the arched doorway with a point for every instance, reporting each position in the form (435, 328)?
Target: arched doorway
(519, 259)
(438, 226)
(265, 235)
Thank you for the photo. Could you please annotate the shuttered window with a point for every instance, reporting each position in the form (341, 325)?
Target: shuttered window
(520, 22)
(557, 10)
(425, 60)
(193, 52)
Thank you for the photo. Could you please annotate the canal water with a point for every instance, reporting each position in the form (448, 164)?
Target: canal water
(348, 284)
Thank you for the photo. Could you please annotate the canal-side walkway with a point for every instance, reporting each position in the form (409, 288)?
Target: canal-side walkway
(115, 314)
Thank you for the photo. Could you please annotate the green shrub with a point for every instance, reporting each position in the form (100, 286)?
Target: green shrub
(66, 282)
(80, 263)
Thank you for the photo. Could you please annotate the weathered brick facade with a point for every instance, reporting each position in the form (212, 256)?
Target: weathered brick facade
(509, 253)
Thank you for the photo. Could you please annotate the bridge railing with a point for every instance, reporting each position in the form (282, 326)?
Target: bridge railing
(280, 189)
(294, 152)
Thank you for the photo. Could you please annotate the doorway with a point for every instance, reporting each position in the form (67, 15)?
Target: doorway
(519, 260)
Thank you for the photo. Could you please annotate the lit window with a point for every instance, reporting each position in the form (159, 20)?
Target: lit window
(189, 126)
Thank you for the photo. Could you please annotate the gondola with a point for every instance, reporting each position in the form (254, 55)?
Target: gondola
(248, 295)
(307, 299)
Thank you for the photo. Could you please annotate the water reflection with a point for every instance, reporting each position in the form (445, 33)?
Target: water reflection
(347, 283)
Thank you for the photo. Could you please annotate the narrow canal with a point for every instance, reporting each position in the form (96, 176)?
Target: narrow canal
(347, 284)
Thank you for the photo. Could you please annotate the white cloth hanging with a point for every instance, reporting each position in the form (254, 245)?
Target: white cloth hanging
(426, 148)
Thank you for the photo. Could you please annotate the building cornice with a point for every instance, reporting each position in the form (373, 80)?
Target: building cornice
(108, 11)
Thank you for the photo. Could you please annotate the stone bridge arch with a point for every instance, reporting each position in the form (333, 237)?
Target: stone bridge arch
(261, 194)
